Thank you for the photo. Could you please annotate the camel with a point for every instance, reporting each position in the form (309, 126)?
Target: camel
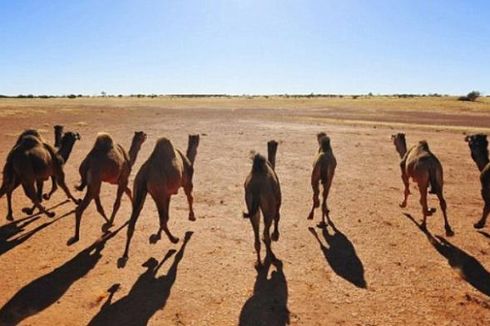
(263, 193)
(420, 164)
(106, 162)
(162, 175)
(323, 171)
(479, 153)
(31, 162)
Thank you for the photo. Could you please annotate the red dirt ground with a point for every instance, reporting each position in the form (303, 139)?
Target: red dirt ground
(376, 268)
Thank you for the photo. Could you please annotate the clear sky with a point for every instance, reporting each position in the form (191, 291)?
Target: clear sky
(244, 46)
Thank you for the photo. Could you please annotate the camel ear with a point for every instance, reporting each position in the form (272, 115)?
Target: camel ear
(467, 139)
(77, 136)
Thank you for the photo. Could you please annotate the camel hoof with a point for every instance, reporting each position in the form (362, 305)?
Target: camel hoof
(121, 262)
(106, 227)
(27, 210)
(402, 205)
(10, 218)
(77, 201)
(192, 217)
(479, 225)
(322, 225)
(174, 240)
(310, 217)
(72, 240)
(154, 238)
(50, 214)
(449, 232)
(46, 197)
(275, 236)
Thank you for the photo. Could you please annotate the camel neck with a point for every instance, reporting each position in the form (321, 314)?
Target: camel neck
(191, 153)
(65, 150)
(133, 152)
(481, 160)
(402, 149)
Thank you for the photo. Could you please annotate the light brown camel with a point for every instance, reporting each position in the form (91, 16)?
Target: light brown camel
(31, 162)
(162, 175)
(420, 164)
(479, 152)
(107, 162)
(263, 193)
(323, 171)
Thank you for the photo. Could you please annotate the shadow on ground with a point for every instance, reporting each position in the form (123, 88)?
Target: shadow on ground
(8, 231)
(269, 303)
(148, 294)
(48, 289)
(341, 255)
(466, 265)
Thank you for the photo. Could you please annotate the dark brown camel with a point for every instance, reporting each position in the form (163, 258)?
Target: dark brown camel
(106, 162)
(162, 175)
(479, 153)
(263, 193)
(420, 164)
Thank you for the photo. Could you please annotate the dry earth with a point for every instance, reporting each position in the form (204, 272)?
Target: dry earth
(375, 268)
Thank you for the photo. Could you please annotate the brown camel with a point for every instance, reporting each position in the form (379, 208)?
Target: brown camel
(420, 164)
(323, 171)
(263, 193)
(31, 162)
(479, 152)
(106, 162)
(163, 173)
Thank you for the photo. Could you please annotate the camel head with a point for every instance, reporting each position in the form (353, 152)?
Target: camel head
(319, 137)
(325, 144)
(58, 134)
(192, 144)
(66, 144)
(479, 148)
(400, 143)
(139, 137)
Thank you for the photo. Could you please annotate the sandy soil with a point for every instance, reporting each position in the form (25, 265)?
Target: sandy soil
(376, 267)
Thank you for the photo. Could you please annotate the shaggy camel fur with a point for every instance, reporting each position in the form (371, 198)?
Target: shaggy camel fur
(163, 173)
(323, 171)
(263, 193)
(106, 162)
(420, 164)
(31, 162)
(479, 152)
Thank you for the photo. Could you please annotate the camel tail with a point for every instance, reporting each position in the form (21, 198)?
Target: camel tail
(435, 180)
(8, 173)
(254, 207)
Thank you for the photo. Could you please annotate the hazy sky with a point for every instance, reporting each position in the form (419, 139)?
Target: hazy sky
(244, 46)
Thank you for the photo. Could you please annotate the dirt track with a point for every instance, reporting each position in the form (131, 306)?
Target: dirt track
(376, 268)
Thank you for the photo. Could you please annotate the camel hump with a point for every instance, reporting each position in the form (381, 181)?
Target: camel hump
(424, 145)
(29, 141)
(29, 132)
(103, 141)
(259, 163)
(164, 146)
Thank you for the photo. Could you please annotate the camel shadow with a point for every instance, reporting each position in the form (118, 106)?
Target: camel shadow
(485, 234)
(44, 291)
(466, 265)
(10, 230)
(148, 294)
(269, 303)
(341, 255)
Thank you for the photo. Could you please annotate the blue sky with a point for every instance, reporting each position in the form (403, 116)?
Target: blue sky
(244, 46)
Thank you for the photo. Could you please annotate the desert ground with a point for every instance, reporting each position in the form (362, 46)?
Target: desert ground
(374, 267)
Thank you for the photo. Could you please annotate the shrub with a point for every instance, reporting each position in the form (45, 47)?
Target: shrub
(471, 96)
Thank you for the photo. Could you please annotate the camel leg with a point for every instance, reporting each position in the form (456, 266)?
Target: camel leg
(325, 210)
(120, 190)
(275, 234)
(406, 184)
(255, 220)
(54, 187)
(139, 200)
(9, 192)
(31, 193)
(163, 206)
(442, 203)
(316, 200)
(486, 210)
(188, 192)
(60, 179)
(128, 193)
(423, 202)
(39, 192)
(78, 215)
(100, 208)
(267, 237)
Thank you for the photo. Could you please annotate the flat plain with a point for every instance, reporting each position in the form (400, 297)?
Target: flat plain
(375, 267)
